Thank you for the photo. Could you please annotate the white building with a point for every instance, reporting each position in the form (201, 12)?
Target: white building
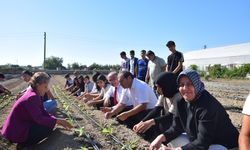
(229, 56)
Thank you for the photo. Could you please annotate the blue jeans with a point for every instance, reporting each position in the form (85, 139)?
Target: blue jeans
(49, 105)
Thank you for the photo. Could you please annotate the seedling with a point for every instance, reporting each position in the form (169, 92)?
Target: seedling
(80, 131)
(130, 145)
(83, 148)
(107, 130)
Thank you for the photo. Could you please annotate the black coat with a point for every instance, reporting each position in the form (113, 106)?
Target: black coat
(205, 121)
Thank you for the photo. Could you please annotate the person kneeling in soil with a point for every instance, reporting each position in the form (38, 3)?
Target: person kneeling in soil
(28, 122)
(103, 83)
(161, 117)
(49, 101)
(3, 90)
(113, 95)
(140, 95)
(200, 122)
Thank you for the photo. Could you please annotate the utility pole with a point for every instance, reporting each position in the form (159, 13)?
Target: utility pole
(44, 58)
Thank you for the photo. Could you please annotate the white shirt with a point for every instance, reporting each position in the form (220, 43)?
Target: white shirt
(124, 64)
(140, 93)
(132, 66)
(246, 107)
(105, 90)
(119, 91)
(168, 104)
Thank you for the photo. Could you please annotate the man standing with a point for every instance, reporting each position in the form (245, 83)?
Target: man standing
(142, 66)
(175, 59)
(133, 63)
(124, 62)
(139, 94)
(156, 65)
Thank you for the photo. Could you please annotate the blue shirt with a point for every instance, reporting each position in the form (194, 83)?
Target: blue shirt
(142, 67)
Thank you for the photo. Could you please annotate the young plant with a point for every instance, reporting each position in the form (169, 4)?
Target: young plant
(131, 145)
(107, 130)
(80, 131)
(83, 148)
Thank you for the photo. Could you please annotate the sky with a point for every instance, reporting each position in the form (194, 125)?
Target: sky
(88, 31)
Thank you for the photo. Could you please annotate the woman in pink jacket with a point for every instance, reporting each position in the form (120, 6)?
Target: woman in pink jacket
(28, 122)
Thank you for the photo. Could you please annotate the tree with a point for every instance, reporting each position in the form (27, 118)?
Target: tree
(194, 67)
(53, 62)
(75, 65)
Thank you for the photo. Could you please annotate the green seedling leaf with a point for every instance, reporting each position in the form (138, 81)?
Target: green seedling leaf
(130, 145)
(108, 130)
(83, 148)
(66, 108)
(80, 131)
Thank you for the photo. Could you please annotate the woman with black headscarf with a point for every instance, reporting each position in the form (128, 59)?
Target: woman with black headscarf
(160, 118)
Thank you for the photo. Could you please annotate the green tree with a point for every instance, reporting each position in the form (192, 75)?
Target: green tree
(75, 65)
(194, 67)
(53, 62)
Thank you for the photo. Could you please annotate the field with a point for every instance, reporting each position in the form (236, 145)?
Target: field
(92, 131)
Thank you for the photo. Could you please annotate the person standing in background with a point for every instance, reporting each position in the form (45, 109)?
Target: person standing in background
(142, 66)
(133, 63)
(156, 65)
(175, 59)
(124, 62)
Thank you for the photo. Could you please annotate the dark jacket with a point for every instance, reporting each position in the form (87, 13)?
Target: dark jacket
(205, 121)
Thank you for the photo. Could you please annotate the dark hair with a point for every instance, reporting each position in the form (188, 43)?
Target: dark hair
(95, 75)
(67, 75)
(81, 78)
(122, 53)
(143, 51)
(27, 72)
(126, 74)
(86, 77)
(150, 53)
(2, 75)
(170, 43)
(132, 52)
(167, 81)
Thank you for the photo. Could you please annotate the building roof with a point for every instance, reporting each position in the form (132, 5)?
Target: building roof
(227, 51)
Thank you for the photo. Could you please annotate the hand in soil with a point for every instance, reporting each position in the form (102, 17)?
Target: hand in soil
(64, 124)
(142, 127)
(156, 144)
(123, 116)
(105, 109)
(108, 115)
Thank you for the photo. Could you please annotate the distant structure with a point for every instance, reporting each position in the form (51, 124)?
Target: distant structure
(228, 56)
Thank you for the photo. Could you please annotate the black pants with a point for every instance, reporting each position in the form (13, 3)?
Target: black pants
(36, 134)
(133, 120)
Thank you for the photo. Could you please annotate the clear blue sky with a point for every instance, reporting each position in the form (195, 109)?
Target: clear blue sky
(88, 31)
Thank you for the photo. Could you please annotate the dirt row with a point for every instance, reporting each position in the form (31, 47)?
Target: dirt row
(123, 134)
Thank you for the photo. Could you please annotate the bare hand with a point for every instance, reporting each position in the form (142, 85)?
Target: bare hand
(108, 115)
(156, 144)
(142, 127)
(123, 116)
(106, 109)
(64, 124)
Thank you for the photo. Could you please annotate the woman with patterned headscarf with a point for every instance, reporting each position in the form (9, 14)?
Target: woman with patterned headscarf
(200, 122)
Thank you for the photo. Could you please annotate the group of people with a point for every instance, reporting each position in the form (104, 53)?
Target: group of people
(163, 103)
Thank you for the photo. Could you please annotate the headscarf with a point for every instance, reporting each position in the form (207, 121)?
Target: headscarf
(195, 79)
(167, 81)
